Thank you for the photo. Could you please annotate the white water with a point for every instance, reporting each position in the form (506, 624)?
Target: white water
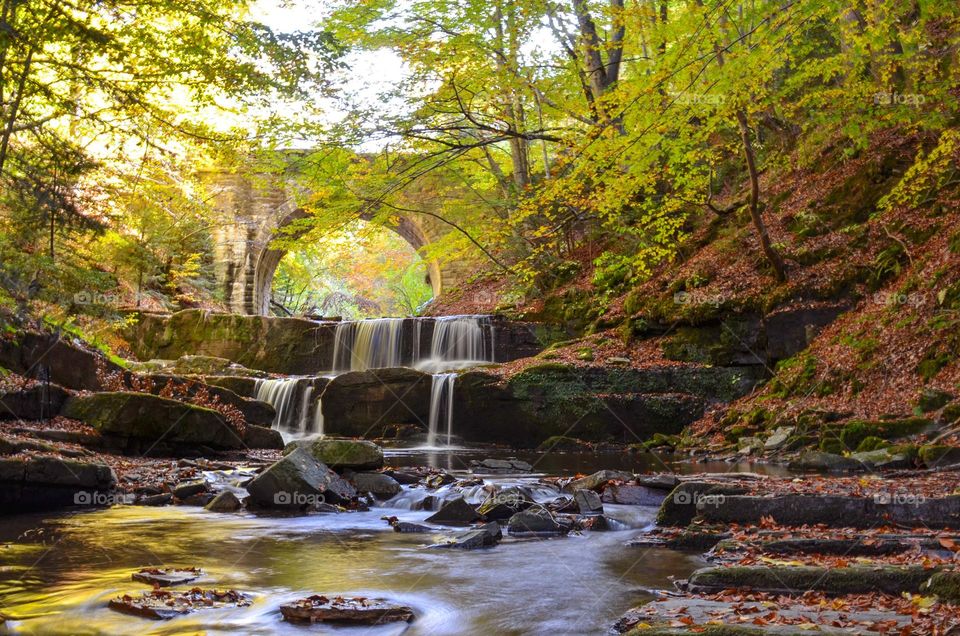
(441, 406)
(291, 397)
(368, 344)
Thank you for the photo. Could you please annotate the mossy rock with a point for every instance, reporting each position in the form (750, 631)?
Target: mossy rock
(933, 400)
(831, 445)
(855, 431)
(939, 455)
(341, 454)
(871, 444)
(585, 354)
(796, 580)
(945, 586)
(562, 443)
(951, 413)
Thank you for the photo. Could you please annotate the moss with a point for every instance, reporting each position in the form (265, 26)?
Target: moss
(933, 400)
(939, 455)
(872, 443)
(945, 586)
(855, 431)
(831, 445)
(585, 354)
(951, 413)
(799, 579)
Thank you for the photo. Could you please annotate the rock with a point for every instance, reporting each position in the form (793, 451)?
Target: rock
(588, 502)
(502, 465)
(633, 495)
(356, 611)
(796, 580)
(201, 499)
(485, 536)
(881, 459)
(341, 454)
(901, 507)
(38, 402)
(406, 526)
(687, 500)
(226, 501)
(944, 585)
(377, 484)
(46, 483)
(161, 499)
(665, 482)
(439, 479)
(262, 437)
(371, 403)
(165, 604)
(504, 504)
(778, 438)
(538, 522)
(151, 419)
(455, 513)
(165, 577)
(933, 455)
(828, 462)
(933, 400)
(597, 480)
(57, 359)
(189, 488)
(298, 481)
(618, 361)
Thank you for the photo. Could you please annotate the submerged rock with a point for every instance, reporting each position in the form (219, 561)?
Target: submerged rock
(358, 611)
(487, 535)
(298, 481)
(455, 513)
(165, 577)
(502, 465)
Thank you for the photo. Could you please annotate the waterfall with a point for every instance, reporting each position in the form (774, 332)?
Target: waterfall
(291, 397)
(461, 338)
(441, 406)
(368, 344)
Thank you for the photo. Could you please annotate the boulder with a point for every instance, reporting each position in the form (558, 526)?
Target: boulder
(504, 504)
(933, 455)
(298, 481)
(377, 484)
(487, 535)
(371, 403)
(455, 513)
(933, 400)
(778, 438)
(46, 483)
(187, 489)
(226, 501)
(633, 495)
(597, 480)
(689, 498)
(38, 402)
(538, 521)
(588, 502)
(57, 359)
(261, 437)
(825, 462)
(341, 454)
(150, 419)
(881, 459)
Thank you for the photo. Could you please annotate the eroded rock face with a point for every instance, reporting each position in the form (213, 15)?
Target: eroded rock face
(41, 401)
(298, 481)
(369, 403)
(149, 419)
(45, 483)
(56, 359)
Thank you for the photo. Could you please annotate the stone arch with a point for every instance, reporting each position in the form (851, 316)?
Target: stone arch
(252, 209)
(268, 258)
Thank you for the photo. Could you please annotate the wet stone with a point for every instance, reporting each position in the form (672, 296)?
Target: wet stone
(357, 611)
(165, 577)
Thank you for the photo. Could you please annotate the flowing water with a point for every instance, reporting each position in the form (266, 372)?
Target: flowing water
(441, 407)
(59, 578)
(297, 412)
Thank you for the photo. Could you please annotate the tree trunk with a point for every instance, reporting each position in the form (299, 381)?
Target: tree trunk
(772, 255)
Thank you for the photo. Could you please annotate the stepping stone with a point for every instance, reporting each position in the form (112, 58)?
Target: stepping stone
(357, 611)
(166, 604)
(165, 577)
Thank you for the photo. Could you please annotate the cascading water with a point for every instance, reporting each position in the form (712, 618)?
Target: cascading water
(441, 406)
(368, 344)
(291, 397)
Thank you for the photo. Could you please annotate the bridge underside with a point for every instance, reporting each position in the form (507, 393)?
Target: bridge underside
(250, 217)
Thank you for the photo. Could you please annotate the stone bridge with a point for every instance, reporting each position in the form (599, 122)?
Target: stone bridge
(252, 211)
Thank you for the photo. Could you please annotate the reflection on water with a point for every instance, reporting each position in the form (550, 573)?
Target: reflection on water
(58, 577)
(574, 585)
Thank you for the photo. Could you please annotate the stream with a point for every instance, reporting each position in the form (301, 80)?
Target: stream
(58, 571)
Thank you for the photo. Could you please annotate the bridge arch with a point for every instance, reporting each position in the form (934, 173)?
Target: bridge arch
(250, 215)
